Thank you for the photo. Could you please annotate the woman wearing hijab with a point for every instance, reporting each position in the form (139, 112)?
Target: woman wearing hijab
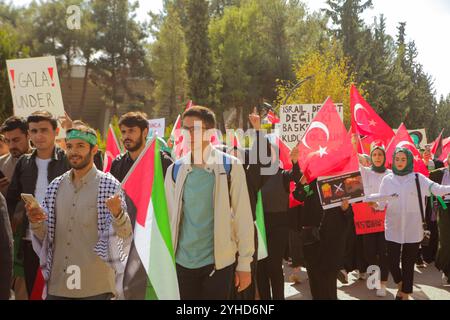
(442, 205)
(403, 226)
(374, 244)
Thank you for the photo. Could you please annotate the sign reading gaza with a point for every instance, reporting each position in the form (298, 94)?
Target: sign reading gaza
(34, 84)
(295, 119)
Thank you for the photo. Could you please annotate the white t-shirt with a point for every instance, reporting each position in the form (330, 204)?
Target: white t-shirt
(42, 179)
(41, 183)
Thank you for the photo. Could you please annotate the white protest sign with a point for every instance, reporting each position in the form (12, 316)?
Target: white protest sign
(158, 126)
(34, 84)
(295, 119)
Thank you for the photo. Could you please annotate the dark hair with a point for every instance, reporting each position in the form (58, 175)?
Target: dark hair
(13, 123)
(206, 115)
(134, 119)
(39, 116)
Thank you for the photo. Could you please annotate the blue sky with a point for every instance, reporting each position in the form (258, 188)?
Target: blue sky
(428, 24)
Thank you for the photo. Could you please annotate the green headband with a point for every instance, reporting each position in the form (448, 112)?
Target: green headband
(85, 136)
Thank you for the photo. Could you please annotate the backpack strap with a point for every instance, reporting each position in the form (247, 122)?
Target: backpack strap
(419, 193)
(227, 167)
(175, 169)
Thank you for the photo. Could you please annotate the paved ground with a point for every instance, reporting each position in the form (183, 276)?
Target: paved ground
(427, 286)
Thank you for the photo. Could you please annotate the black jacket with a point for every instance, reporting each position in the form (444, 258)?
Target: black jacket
(123, 163)
(6, 251)
(332, 224)
(253, 165)
(26, 173)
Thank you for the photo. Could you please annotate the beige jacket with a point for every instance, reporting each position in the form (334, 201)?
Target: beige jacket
(233, 225)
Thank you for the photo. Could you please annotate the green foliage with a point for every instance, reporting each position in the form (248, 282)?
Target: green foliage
(169, 58)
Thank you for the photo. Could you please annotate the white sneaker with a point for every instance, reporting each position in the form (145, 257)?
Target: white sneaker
(381, 292)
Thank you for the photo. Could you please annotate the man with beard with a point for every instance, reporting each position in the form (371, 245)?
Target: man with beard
(82, 229)
(32, 175)
(15, 131)
(134, 129)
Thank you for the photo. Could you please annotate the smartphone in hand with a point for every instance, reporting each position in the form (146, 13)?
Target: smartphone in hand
(30, 200)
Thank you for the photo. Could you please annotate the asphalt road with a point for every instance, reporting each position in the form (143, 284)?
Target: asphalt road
(427, 286)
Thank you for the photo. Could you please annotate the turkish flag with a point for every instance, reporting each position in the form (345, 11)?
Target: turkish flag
(438, 146)
(284, 153)
(365, 121)
(326, 148)
(403, 140)
(112, 149)
(272, 117)
(180, 146)
(445, 150)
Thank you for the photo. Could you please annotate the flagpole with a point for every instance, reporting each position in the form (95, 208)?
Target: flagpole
(296, 86)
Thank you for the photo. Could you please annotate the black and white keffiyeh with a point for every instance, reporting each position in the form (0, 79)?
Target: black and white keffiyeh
(110, 248)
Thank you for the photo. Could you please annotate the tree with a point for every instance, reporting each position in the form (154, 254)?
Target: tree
(120, 46)
(351, 31)
(169, 59)
(10, 48)
(217, 7)
(240, 58)
(332, 78)
(199, 51)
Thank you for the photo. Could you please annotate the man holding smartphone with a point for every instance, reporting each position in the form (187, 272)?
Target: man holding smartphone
(32, 174)
(81, 230)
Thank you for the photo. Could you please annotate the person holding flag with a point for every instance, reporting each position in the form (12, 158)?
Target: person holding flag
(134, 131)
(405, 223)
(210, 213)
(81, 231)
(323, 231)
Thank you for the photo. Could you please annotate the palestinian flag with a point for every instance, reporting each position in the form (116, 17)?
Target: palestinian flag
(152, 254)
(112, 149)
(261, 229)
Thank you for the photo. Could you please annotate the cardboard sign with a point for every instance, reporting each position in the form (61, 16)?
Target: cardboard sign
(296, 118)
(333, 190)
(367, 220)
(34, 84)
(157, 126)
